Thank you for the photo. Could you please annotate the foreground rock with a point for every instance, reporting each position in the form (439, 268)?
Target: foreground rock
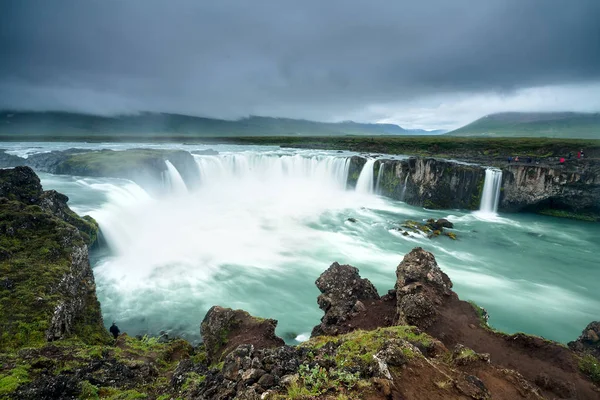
(589, 341)
(47, 289)
(223, 329)
(343, 291)
(421, 287)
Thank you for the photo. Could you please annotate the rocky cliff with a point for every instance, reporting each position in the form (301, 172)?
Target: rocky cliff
(47, 289)
(574, 187)
(441, 184)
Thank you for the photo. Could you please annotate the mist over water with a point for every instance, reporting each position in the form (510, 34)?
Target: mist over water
(264, 223)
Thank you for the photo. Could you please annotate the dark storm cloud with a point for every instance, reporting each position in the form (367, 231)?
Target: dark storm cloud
(313, 59)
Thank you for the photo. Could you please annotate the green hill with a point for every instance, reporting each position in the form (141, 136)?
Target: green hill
(64, 124)
(554, 125)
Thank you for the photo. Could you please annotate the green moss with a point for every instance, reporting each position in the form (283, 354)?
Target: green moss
(11, 381)
(451, 235)
(590, 366)
(39, 247)
(116, 394)
(193, 381)
(359, 347)
(466, 354)
(476, 197)
(88, 391)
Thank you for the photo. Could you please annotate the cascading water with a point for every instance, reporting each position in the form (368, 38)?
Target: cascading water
(321, 170)
(379, 176)
(174, 179)
(364, 184)
(490, 198)
(404, 188)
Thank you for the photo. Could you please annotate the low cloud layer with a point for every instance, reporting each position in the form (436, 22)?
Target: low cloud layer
(425, 64)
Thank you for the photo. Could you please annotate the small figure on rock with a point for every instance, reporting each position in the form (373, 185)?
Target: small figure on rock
(114, 329)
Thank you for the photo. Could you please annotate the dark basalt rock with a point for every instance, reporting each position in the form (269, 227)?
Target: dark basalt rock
(421, 287)
(341, 289)
(588, 341)
(223, 329)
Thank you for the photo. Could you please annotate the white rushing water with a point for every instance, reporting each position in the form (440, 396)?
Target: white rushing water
(263, 223)
(174, 180)
(490, 198)
(364, 184)
(379, 176)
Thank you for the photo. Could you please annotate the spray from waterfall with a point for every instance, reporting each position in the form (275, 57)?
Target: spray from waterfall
(490, 198)
(379, 176)
(364, 184)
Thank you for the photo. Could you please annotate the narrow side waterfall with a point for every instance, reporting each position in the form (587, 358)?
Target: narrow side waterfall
(379, 175)
(490, 198)
(404, 188)
(174, 179)
(365, 179)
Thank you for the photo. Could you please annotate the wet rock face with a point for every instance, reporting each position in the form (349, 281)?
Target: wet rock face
(223, 329)
(342, 290)
(432, 183)
(538, 187)
(589, 340)
(421, 287)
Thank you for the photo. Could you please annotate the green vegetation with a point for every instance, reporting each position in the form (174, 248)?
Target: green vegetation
(10, 381)
(590, 366)
(38, 256)
(555, 125)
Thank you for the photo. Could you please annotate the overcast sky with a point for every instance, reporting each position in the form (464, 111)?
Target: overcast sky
(421, 64)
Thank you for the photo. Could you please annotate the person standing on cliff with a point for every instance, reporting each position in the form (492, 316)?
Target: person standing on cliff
(580, 154)
(114, 329)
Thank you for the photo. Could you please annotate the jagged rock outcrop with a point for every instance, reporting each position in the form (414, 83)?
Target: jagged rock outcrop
(421, 287)
(48, 284)
(342, 291)
(588, 341)
(223, 329)
(534, 187)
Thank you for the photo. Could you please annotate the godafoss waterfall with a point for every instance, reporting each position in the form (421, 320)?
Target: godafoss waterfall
(252, 227)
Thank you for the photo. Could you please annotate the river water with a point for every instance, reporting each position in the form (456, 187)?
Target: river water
(265, 222)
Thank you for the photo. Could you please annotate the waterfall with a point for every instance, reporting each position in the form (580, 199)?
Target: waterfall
(365, 179)
(379, 175)
(404, 188)
(174, 179)
(490, 198)
(321, 170)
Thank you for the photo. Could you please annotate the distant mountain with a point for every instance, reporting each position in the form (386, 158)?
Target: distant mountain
(161, 124)
(515, 124)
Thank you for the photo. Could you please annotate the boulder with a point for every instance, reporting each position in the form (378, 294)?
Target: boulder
(589, 340)
(421, 287)
(223, 329)
(342, 289)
